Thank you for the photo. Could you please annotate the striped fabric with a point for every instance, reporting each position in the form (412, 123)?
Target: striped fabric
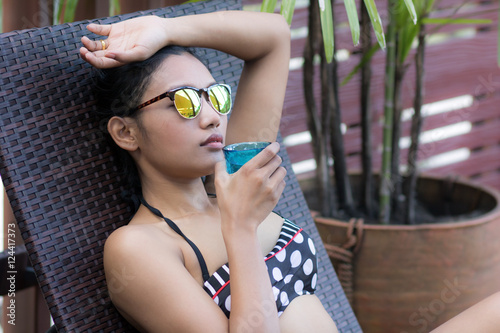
(292, 268)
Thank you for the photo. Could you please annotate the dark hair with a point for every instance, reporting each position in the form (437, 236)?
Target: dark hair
(118, 91)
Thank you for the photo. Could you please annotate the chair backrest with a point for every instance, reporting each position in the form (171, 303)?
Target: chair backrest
(62, 183)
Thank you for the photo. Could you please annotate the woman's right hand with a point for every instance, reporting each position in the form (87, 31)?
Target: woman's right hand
(248, 196)
(126, 41)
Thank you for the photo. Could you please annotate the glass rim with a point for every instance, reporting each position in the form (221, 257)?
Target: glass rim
(250, 145)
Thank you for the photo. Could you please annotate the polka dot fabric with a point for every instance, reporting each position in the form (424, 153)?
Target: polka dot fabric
(292, 267)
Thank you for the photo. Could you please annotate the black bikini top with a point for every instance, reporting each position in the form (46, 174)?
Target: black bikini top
(201, 260)
(292, 266)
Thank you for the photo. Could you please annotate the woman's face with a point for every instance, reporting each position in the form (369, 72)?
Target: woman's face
(170, 144)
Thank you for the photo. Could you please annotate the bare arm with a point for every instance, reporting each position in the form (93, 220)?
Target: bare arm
(150, 286)
(262, 40)
(483, 317)
(245, 200)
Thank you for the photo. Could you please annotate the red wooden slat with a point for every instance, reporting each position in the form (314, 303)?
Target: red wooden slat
(481, 110)
(453, 68)
(482, 135)
(479, 162)
(491, 179)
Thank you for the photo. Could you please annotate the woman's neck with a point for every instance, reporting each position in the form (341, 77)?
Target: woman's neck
(177, 198)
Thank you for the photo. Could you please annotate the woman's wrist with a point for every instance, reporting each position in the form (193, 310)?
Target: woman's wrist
(168, 29)
(182, 31)
(234, 232)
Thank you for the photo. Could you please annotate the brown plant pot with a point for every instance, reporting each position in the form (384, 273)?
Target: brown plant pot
(414, 278)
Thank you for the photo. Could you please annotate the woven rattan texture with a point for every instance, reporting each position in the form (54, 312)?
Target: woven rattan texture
(293, 206)
(62, 183)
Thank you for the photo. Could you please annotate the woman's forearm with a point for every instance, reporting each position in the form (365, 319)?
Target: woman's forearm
(253, 308)
(246, 35)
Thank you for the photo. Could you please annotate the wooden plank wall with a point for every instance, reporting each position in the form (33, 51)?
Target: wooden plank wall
(460, 63)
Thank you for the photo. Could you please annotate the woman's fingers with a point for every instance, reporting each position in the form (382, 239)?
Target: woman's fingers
(274, 163)
(138, 53)
(123, 42)
(267, 160)
(268, 154)
(93, 53)
(99, 29)
(98, 59)
(89, 44)
(95, 45)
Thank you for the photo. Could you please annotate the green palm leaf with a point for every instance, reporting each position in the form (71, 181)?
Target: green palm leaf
(268, 6)
(69, 11)
(114, 7)
(376, 22)
(325, 9)
(444, 21)
(287, 9)
(411, 10)
(352, 15)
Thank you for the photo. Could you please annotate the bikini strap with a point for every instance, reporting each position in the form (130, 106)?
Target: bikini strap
(201, 260)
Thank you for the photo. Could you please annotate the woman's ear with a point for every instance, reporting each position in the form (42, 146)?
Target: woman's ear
(124, 133)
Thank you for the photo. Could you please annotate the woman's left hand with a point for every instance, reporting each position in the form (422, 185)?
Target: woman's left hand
(127, 41)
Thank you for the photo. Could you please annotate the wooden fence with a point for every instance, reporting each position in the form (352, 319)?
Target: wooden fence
(461, 134)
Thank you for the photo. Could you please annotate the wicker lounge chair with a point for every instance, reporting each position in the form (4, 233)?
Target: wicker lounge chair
(60, 179)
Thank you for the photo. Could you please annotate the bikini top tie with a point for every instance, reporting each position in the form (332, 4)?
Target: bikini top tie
(201, 260)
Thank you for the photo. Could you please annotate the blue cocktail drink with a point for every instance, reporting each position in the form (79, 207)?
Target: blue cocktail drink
(238, 154)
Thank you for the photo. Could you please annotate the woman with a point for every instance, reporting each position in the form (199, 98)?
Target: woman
(156, 276)
(163, 272)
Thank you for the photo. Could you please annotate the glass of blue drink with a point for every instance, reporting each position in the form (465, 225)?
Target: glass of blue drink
(238, 154)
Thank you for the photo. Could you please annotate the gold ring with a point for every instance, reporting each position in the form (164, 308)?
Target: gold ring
(103, 44)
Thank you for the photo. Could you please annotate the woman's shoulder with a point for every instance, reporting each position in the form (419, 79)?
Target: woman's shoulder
(135, 241)
(127, 236)
(141, 231)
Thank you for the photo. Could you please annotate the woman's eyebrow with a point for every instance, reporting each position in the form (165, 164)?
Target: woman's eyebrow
(192, 86)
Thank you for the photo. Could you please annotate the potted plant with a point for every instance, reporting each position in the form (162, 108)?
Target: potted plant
(411, 251)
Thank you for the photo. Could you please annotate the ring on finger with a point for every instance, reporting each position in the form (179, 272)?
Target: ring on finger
(103, 43)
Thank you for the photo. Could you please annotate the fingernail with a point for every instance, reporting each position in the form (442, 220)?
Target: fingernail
(110, 55)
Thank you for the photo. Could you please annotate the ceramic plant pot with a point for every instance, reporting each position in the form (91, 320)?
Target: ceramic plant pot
(413, 278)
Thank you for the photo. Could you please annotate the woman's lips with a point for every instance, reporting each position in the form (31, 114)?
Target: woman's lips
(214, 141)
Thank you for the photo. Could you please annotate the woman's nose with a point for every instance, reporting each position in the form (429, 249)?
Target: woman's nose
(208, 115)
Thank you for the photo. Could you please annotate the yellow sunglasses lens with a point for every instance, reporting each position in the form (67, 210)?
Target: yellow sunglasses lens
(187, 102)
(220, 97)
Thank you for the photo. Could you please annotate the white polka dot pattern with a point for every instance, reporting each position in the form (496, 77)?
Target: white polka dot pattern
(284, 298)
(277, 274)
(292, 266)
(227, 303)
(308, 267)
(298, 265)
(281, 256)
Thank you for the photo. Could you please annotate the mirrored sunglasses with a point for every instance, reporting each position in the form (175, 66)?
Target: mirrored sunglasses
(187, 100)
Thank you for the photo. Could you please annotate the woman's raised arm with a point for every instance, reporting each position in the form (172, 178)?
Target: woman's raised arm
(262, 40)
